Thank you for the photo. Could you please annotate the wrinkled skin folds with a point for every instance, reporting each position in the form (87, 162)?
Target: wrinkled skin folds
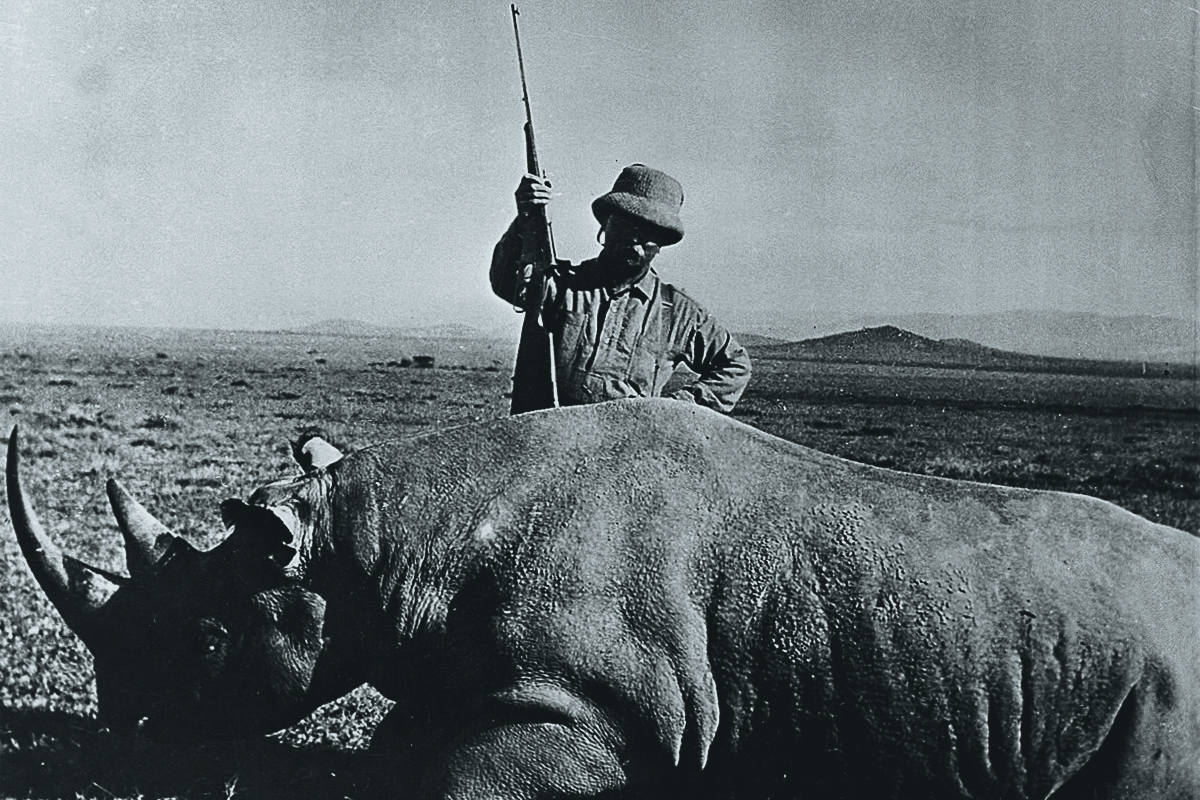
(645, 598)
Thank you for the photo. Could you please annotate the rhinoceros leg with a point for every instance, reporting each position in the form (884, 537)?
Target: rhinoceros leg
(527, 760)
(394, 733)
(487, 758)
(1146, 753)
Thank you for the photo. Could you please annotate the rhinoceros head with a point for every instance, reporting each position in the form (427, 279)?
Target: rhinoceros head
(193, 644)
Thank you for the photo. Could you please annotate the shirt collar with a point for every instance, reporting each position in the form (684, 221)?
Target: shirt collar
(644, 288)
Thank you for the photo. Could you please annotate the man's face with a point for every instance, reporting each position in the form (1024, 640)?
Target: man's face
(628, 247)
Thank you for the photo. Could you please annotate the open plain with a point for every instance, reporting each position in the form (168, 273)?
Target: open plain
(186, 419)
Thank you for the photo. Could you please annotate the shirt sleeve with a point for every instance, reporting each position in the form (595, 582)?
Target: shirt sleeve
(721, 364)
(508, 274)
(506, 264)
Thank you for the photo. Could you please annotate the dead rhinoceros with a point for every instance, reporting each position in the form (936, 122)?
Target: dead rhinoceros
(647, 598)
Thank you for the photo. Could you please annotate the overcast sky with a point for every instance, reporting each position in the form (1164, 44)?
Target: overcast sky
(266, 164)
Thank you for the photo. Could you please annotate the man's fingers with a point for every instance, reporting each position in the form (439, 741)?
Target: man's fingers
(534, 183)
(533, 191)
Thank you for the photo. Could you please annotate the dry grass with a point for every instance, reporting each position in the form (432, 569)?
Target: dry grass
(1135, 442)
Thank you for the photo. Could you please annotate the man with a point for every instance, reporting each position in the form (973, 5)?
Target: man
(617, 329)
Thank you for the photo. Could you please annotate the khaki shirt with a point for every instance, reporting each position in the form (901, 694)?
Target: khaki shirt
(610, 344)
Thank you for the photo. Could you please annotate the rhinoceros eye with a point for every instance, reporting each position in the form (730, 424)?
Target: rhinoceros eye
(211, 641)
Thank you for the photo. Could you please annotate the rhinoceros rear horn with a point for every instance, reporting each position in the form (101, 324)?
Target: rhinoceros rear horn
(146, 539)
(76, 590)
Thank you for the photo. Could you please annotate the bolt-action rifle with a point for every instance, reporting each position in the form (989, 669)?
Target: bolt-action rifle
(535, 382)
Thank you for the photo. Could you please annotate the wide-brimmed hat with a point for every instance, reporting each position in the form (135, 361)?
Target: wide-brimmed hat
(647, 194)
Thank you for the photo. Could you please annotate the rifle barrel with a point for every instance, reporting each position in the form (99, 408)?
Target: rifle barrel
(531, 145)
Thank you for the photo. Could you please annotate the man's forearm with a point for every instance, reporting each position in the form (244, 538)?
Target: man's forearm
(506, 259)
(724, 371)
(723, 388)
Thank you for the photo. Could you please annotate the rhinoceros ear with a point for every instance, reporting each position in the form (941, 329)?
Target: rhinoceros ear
(261, 531)
(314, 453)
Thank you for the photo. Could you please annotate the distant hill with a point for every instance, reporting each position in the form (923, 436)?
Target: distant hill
(891, 345)
(884, 344)
(1065, 335)
(343, 327)
(447, 330)
(353, 327)
(1137, 338)
(757, 340)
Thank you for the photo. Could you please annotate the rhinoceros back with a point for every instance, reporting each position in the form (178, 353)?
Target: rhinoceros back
(775, 615)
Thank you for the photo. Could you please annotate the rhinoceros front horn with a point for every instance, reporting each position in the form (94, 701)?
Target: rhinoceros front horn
(146, 539)
(76, 590)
